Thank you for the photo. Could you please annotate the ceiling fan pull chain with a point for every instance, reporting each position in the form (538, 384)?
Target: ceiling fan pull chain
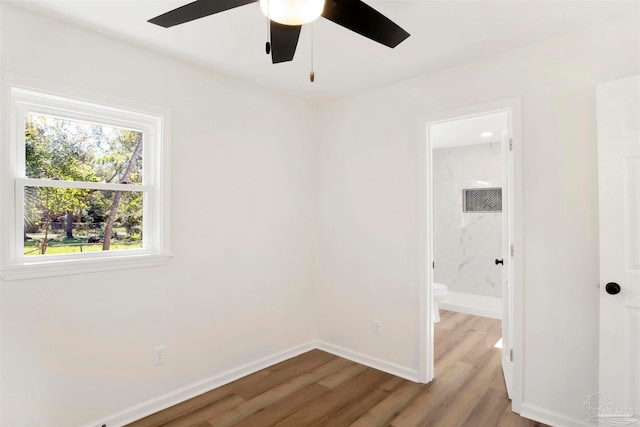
(267, 46)
(312, 75)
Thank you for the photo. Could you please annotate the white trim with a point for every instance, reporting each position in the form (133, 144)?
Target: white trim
(425, 329)
(182, 394)
(159, 403)
(551, 418)
(76, 266)
(82, 96)
(43, 101)
(479, 305)
(102, 186)
(426, 370)
(2, 219)
(517, 259)
(29, 94)
(372, 362)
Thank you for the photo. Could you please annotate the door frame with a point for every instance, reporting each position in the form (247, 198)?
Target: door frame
(425, 210)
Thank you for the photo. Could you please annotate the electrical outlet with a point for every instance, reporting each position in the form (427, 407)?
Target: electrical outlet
(159, 355)
(377, 327)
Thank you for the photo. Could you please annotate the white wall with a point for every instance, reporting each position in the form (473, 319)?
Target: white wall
(466, 243)
(239, 288)
(368, 225)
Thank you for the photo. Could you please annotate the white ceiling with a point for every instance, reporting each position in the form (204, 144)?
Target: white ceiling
(468, 131)
(443, 33)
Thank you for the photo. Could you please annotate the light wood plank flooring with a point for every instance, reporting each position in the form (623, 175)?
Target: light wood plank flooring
(320, 389)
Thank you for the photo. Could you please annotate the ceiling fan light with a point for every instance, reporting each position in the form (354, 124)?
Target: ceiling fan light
(292, 12)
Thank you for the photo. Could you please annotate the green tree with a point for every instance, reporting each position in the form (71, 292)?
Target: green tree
(60, 149)
(55, 149)
(125, 179)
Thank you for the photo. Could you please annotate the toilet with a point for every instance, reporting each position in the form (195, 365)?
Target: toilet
(439, 293)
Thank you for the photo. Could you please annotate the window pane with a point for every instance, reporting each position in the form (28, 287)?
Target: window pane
(72, 150)
(68, 220)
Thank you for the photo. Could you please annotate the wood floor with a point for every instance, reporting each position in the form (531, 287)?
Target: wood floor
(320, 389)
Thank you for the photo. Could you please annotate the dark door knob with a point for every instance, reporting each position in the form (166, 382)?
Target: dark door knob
(612, 288)
(500, 261)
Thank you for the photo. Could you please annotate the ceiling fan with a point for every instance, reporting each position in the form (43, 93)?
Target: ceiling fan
(286, 18)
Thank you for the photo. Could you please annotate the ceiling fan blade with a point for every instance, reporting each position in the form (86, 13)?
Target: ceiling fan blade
(284, 39)
(195, 10)
(364, 20)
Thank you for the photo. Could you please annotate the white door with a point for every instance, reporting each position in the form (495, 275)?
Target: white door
(507, 270)
(618, 108)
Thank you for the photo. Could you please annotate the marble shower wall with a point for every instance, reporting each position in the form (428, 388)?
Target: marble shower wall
(466, 244)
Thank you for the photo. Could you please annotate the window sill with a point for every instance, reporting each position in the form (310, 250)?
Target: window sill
(67, 267)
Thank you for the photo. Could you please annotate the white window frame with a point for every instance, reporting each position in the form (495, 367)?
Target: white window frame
(155, 185)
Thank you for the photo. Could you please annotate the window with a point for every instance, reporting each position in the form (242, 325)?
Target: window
(85, 187)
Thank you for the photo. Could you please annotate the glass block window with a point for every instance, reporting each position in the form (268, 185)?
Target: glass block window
(482, 200)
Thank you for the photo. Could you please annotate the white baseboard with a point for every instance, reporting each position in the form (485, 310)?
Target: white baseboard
(180, 395)
(479, 305)
(167, 400)
(551, 418)
(391, 368)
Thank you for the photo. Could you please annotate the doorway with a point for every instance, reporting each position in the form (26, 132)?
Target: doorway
(470, 172)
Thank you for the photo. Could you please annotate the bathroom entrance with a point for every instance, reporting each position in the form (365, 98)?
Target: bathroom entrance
(472, 234)
(467, 193)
